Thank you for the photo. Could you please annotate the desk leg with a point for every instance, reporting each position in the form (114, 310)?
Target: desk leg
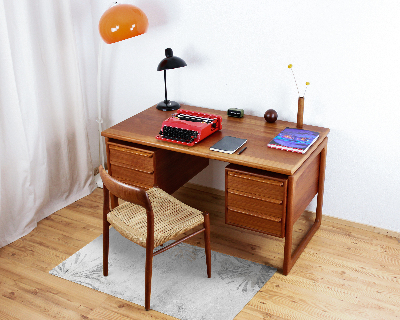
(289, 259)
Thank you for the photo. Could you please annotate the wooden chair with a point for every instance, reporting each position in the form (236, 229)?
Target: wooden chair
(149, 219)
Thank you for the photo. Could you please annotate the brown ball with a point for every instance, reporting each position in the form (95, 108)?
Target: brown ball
(270, 115)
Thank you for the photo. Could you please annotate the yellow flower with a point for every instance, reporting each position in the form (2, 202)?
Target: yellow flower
(307, 83)
(289, 66)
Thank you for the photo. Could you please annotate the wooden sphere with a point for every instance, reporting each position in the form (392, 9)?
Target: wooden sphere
(270, 115)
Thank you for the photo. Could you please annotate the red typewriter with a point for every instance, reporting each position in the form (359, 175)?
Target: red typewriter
(189, 127)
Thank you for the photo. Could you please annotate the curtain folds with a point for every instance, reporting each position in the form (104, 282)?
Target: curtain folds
(45, 161)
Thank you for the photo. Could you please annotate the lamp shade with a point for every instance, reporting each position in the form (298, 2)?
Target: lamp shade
(170, 62)
(122, 21)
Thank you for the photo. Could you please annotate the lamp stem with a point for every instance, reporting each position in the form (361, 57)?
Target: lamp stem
(99, 119)
(165, 83)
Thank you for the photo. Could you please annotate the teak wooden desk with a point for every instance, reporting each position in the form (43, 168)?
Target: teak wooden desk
(266, 189)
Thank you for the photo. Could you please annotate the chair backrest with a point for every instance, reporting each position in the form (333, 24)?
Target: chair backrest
(124, 191)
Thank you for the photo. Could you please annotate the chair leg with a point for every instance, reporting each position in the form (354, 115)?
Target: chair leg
(148, 274)
(207, 244)
(106, 242)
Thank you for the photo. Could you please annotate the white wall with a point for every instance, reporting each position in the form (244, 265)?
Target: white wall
(237, 54)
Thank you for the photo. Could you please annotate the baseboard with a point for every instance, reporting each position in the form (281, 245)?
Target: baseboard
(344, 222)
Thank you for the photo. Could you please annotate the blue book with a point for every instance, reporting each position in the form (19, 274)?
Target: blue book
(294, 140)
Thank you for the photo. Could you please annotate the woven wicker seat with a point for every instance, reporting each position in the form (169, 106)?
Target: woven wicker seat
(171, 218)
(149, 219)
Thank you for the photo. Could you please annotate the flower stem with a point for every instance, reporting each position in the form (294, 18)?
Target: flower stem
(295, 82)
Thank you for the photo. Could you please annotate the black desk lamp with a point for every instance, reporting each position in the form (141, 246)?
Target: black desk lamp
(169, 62)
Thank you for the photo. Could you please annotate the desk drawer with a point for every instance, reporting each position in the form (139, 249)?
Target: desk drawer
(131, 157)
(133, 177)
(255, 199)
(260, 185)
(252, 221)
(269, 208)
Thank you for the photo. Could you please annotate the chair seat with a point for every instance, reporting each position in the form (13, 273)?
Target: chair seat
(171, 218)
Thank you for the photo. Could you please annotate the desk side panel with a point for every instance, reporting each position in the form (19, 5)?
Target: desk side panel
(306, 182)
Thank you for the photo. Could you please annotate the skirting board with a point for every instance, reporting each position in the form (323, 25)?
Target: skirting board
(324, 217)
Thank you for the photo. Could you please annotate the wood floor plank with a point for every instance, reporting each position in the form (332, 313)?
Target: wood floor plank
(316, 292)
(81, 298)
(61, 222)
(62, 237)
(6, 316)
(346, 272)
(114, 308)
(38, 299)
(11, 308)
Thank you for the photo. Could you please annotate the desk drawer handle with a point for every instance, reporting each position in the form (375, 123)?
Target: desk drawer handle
(276, 183)
(123, 165)
(257, 198)
(133, 183)
(140, 153)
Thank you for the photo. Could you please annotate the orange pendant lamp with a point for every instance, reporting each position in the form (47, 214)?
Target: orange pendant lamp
(119, 22)
(122, 21)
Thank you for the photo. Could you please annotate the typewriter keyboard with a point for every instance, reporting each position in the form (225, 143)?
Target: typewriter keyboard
(178, 134)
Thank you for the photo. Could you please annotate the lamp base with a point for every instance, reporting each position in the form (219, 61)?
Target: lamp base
(168, 105)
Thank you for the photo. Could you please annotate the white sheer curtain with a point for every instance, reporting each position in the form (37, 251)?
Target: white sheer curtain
(45, 159)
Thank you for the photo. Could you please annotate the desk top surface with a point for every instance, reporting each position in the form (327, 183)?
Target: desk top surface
(144, 126)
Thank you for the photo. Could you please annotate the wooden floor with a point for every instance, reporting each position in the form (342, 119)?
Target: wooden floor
(344, 273)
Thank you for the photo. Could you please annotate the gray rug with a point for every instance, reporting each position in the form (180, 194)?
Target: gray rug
(180, 287)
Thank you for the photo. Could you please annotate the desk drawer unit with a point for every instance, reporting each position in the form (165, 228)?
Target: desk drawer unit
(255, 199)
(145, 166)
(132, 165)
